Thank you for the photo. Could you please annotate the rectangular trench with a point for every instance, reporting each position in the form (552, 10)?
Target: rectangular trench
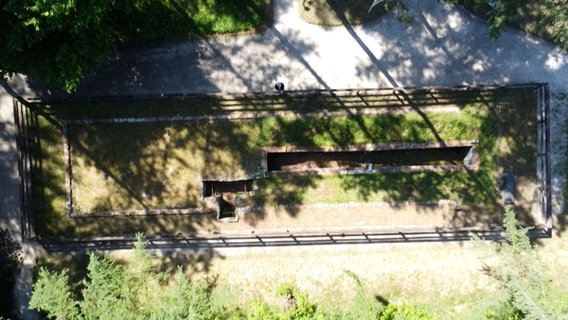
(310, 159)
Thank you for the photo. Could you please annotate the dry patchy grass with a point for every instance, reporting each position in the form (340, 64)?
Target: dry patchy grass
(156, 165)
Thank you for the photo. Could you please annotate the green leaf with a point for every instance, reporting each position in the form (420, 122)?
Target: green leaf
(51, 294)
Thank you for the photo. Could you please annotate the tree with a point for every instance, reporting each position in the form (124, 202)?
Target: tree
(58, 41)
(398, 7)
(497, 12)
(51, 294)
(544, 18)
(525, 291)
(113, 291)
(547, 19)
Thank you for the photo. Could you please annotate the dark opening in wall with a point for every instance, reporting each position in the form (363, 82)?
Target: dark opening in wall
(212, 187)
(365, 158)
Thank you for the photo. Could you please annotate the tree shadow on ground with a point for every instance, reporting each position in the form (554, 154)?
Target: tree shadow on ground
(136, 25)
(404, 67)
(192, 261)
(9, 175)
(229, 150)
(326, 12)
(432, 51)
(419, 36)
(287, 194)
(129, 167)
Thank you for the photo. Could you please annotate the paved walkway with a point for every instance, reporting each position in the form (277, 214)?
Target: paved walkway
(443, 46)
(10, 204)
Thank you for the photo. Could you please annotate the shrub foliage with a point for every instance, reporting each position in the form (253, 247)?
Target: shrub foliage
(525, 291)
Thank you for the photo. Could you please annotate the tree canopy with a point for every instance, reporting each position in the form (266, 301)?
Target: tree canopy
(58, 41)
(114, 291)
(525, 287)
(544, 18)
(135, 290)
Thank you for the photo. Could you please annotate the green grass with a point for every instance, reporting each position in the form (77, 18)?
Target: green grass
(358, 130)
(114, 164)
(166, 160)
(462, 186)
(158, 19)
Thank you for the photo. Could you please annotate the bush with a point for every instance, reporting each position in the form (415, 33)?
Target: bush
(525, 290)
(295, 306)
(405, 312)
(114, 291)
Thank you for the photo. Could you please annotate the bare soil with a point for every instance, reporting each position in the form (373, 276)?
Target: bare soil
(358, 215)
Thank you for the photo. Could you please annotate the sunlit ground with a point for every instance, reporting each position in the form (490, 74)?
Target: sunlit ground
(160, 165)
